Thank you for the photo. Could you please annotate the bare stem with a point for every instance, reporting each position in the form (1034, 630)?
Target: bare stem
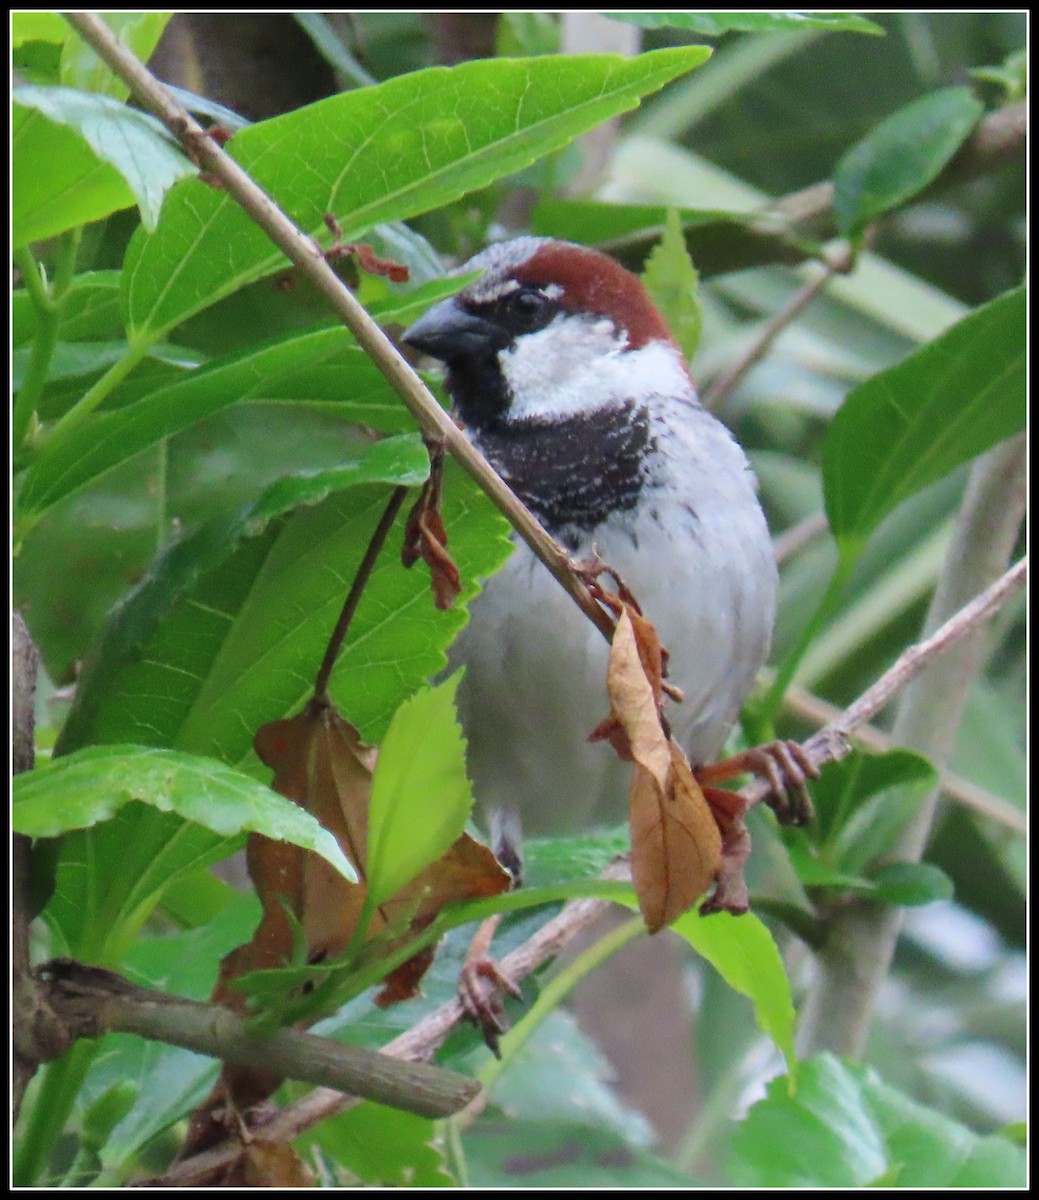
(765, 338)
(360, 580)
(434, 423)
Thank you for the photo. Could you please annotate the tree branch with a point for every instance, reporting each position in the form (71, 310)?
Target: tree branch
(862, 935)
(93, 1002)
(775, 236)
(434, 423)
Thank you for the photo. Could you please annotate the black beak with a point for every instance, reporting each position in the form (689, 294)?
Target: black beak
(449, 332)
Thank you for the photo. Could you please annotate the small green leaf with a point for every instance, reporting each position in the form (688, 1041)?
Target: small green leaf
(911, 884)
(744, 953)
(79, 157)
(901, 156)
(1011, 76)
(38, 27)
(383, 1147)
(82, 789)
(715, 24)
(379, 154)
(421, 798)
(846, 1128)
(913, 423)
(672, 282)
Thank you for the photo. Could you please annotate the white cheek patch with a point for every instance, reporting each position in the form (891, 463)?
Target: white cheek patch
(576, 365)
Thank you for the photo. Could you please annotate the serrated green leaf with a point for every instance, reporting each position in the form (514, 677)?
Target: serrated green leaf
(82, 789)
(913, 423)
(743, 951)
(82, 67)
(715, 24)
(901, 156)
(326, 366)
(378, 154)
(226, 633)
(672, 282)
(421, 798)
(79, 157)
(846, 1128)
(181, 637)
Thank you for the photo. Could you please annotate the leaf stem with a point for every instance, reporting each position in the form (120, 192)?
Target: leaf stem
(100, 391)
(353, 598)
(49, 302)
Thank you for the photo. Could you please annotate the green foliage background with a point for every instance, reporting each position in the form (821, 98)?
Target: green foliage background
(196, 480)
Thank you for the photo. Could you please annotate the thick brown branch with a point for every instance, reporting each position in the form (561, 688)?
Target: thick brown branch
(94, 1002)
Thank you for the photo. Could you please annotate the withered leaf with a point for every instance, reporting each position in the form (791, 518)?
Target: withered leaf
(425, 535)
(268, 1164)
(676, 845)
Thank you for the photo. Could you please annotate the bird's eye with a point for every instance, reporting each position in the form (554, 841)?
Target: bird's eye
(531, 305)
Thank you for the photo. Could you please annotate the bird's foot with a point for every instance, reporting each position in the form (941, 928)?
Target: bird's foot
(784, 766)
(483, 986)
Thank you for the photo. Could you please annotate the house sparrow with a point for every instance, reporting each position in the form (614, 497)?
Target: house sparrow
(566, 377)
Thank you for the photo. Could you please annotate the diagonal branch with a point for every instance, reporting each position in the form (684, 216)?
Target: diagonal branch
(434, 423)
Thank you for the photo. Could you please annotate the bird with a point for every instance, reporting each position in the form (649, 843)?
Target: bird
(563, 373)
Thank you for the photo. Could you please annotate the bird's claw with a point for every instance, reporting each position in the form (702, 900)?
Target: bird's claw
(482, 986)
(784, 766)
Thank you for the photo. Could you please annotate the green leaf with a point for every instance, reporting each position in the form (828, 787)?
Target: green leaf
(381, 1147)
(901, 156)
(81, 66)
(82, 789)
(846, 1128)
(910, 425)
(672, 282)
(321, 367)
(855, 817)
(911, 884)
(91, 310)
(200, 623)
(502, 1153)
(220, 640)
(110, 877)
(79, 157)
(38, 27)
(715, 24)
(378, 154)
(744, 953)
(58, 183)
(1011, 76)
(421, 798)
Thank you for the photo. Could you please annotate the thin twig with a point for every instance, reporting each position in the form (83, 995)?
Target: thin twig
(434, 423)
(805, 704)
(788, 543)
(766, 336)
(831, 742)
(360, 580)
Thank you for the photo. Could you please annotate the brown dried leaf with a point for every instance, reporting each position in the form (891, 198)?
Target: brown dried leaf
(425, 536)
(676, 846)
(369, 261)
(268, 1164)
